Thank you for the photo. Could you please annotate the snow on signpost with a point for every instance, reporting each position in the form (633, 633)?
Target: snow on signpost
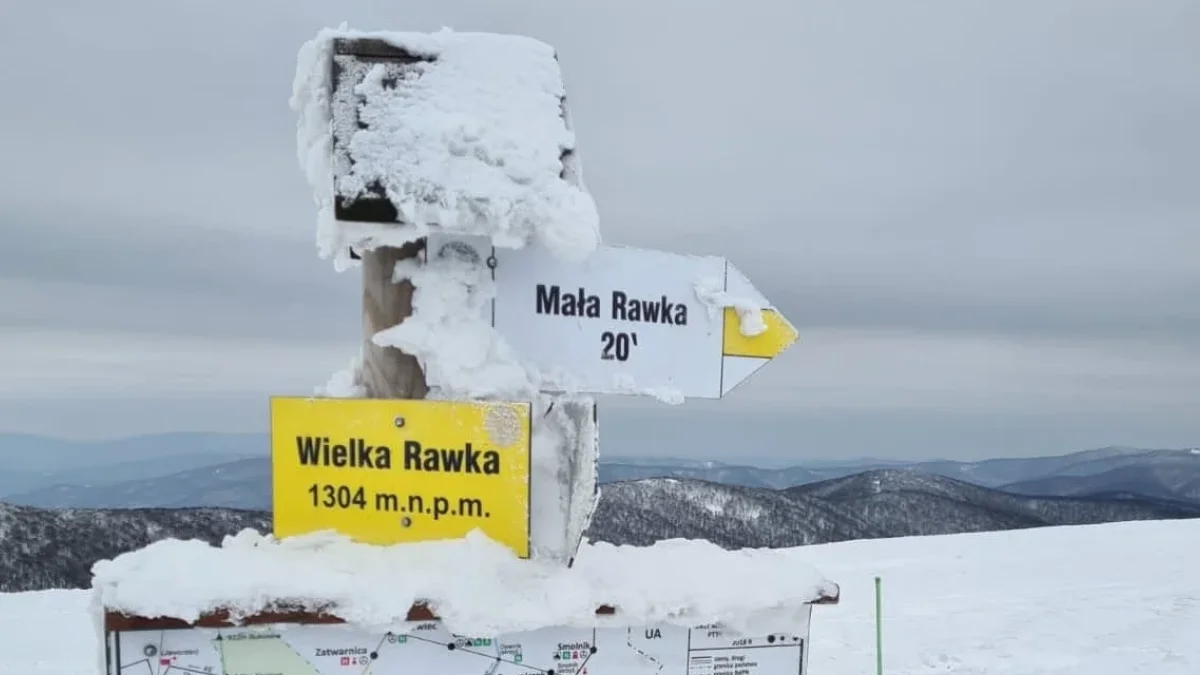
(430, 503)
(314, 604)
(403, 135)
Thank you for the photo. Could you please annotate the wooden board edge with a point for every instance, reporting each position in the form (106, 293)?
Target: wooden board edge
(119, 621)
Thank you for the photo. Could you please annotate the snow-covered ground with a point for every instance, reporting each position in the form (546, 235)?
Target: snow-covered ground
(1114, 599)
(1104, 600)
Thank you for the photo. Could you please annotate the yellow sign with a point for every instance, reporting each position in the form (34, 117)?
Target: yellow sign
(390, 471)
(768, 344)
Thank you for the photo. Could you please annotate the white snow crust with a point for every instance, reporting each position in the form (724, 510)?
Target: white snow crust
(475, 585)
(462, 355)
(1113, 599)
(470, 142)
(563, 476)
(712, 293)
(464, 358)
(345, 383)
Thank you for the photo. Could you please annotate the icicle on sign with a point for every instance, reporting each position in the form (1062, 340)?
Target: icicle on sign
(630, 321)
(389, 471)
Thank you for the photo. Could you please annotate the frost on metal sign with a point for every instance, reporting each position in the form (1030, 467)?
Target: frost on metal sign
(388, 471)
(427, 647)
(626, 321)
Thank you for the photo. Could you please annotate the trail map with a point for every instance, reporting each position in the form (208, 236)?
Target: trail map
(427, 647)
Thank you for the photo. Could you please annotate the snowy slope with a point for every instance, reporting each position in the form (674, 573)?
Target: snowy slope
(1116, 599)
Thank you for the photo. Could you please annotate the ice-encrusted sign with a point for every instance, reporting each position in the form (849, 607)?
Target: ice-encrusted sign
(406, 135)
(402, 134)
(408, 138)
(629, 321)
(256, 604)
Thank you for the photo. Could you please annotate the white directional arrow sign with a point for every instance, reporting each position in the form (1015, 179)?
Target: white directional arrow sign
(629, 321)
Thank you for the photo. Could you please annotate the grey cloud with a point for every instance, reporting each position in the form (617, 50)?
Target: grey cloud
(1166, 316)
(997, 173)
(772, 437)
(803, 434)
(130, 250)
(43, 364)
(171, 281)
(86, 308)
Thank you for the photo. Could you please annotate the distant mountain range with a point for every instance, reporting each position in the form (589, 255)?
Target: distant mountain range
(54, 548)
(238, 475)
(33, 462)
(64, 505)
(1162, 475)
(867, 505)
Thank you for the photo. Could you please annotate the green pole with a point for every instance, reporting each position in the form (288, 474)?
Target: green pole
(878, 627)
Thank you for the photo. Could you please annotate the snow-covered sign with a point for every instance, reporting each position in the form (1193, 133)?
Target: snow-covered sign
(628, 320)
(401, 134)
(316, 604)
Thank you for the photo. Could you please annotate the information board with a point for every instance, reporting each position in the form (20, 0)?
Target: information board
(429, 649)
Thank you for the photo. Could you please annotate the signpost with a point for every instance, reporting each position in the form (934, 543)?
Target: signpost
(628, 320)
(136, 646)
(394, 468)
(391, 471)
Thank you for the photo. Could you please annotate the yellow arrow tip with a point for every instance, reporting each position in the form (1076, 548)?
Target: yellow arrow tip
(768, 344)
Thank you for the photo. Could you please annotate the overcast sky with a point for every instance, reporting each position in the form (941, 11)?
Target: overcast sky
(983, 217)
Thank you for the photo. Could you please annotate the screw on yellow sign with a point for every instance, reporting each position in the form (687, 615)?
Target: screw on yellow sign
(391, 471)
